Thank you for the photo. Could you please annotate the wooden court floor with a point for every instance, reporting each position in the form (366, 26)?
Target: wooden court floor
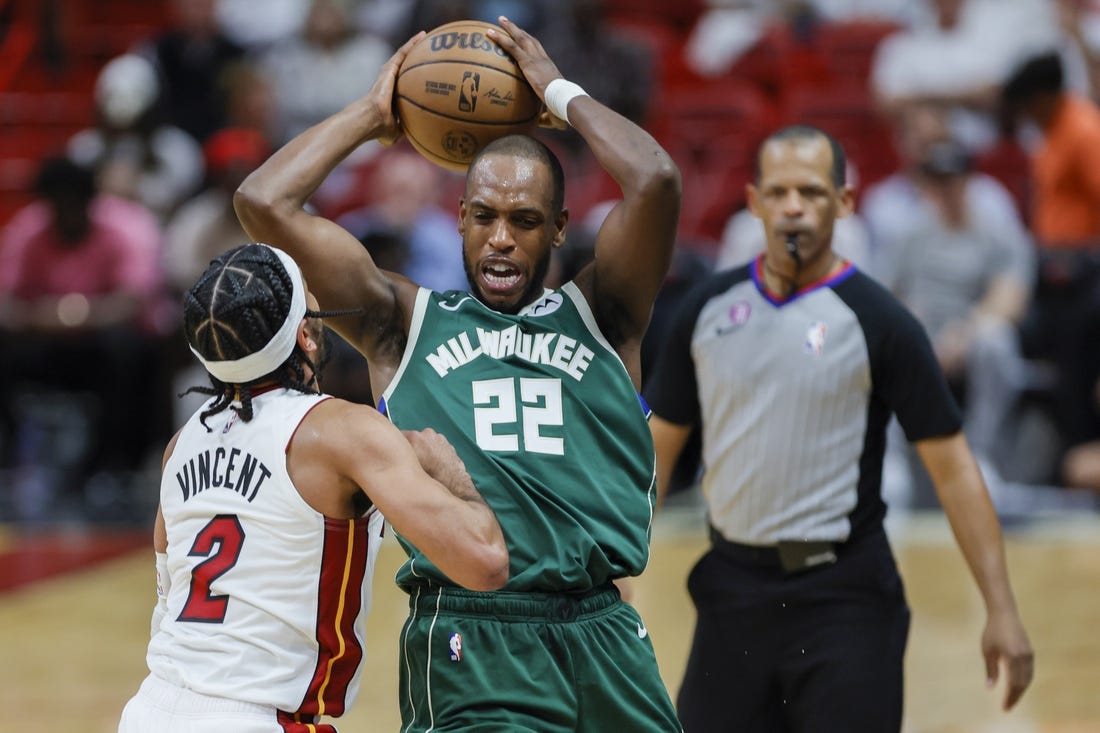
(73, 644)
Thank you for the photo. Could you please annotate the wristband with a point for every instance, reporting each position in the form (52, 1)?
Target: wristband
(558, 95)
(164, 580)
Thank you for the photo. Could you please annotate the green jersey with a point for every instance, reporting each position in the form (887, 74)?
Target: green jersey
(544, 415)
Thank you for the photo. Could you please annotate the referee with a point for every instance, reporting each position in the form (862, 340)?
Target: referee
(793, 364)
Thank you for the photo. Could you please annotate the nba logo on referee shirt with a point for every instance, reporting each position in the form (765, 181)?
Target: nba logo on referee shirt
(455, 642)
(738, 315)
(815, 338)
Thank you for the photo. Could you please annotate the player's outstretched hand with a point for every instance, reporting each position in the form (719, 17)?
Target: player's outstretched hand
(1004, 640)
(381, 94)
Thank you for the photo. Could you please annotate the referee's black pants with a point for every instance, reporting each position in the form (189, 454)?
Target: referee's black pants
(812, 652)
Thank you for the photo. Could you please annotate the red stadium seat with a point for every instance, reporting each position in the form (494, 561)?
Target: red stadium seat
(846, 113)
(678, 14)
(850, 47)
(712, 132)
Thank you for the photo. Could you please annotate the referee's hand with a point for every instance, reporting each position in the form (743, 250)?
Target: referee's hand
(1004, 640)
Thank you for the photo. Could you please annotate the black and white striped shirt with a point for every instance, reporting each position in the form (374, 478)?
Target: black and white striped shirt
(794, 397)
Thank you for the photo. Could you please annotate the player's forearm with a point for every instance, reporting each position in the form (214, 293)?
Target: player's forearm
(293, 173)
(467, 544)
(636, 161)
(490, 554)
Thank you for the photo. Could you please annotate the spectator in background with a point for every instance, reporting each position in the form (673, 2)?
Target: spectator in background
(406, 231)
(136, 155)
(964, 266)
(727, 30)
(1080, 24)
(1066, 158)
(610, 64)
(206, 225)
(968, 299)
(404, 212)
(903, 12)
(888, 205)
(960, 60)
(322, 68)
(256, 29)
(191, 56)
(386, 18)
(250, 99)
(1065, 217)
(80, 286)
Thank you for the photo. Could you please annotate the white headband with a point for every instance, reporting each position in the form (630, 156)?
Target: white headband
(281, 345)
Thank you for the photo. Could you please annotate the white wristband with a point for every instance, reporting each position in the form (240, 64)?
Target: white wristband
(164, 580)
(558, 95)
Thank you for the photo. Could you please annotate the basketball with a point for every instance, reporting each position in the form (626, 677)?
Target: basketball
(457, 91)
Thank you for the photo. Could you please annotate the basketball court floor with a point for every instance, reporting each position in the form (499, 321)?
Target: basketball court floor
(74, 620)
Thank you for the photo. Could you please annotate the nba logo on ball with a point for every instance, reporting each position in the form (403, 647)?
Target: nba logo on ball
(457, 91)
(467, 93)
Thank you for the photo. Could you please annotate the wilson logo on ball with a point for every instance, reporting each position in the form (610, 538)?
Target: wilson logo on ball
(475, 41)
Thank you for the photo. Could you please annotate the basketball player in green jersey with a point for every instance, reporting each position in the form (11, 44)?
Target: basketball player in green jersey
(537, 391)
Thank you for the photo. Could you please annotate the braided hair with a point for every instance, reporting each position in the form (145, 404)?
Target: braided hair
(235, 308)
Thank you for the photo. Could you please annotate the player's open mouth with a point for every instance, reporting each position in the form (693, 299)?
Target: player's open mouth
(500, 276)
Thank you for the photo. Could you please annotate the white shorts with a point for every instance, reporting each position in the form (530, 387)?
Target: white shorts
(165, 708)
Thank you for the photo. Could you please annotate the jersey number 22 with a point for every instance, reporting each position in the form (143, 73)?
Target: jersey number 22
(495, 407)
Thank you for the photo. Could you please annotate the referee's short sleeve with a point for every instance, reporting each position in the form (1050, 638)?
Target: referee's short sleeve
(671, 390)
(905, 373)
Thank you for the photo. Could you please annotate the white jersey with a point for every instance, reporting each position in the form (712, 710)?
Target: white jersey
(268, 597)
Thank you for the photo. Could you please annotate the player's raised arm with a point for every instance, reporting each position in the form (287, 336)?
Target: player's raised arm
(634, 245)
(271, 206)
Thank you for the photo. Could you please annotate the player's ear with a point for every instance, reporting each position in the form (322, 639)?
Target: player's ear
(560, 223)
(305, 338)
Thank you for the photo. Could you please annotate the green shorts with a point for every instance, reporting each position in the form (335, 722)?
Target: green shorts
(529, 662)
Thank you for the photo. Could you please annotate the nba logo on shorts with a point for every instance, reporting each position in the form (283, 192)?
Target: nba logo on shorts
(455, 643)
(467, 93)
(815, 338)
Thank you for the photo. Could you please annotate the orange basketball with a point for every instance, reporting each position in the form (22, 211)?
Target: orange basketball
(457, 91)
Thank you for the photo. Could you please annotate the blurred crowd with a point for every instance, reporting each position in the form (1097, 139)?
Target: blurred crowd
(972, 125)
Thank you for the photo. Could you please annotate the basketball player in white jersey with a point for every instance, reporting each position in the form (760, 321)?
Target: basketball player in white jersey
(272, 503)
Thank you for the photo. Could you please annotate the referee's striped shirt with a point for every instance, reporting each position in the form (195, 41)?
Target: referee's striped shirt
(794, 397)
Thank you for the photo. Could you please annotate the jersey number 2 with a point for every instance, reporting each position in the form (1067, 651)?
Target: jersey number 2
(226, 532)
(495, 404)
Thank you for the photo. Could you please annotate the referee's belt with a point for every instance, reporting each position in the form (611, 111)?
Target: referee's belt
(791, 556)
